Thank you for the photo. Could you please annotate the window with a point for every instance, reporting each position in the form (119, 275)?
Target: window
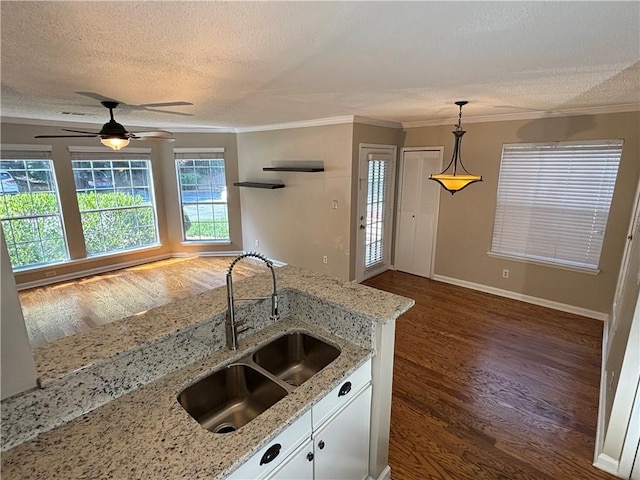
(115, 198)
(30, 209)
(377, 193)
(553, 201)
(203, 195)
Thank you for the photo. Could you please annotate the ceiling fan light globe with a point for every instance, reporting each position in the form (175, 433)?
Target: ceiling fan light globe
(114, 142)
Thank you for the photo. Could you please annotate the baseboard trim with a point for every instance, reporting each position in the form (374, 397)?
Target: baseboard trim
(118, 266)
(563, 307)
(92, 271)
(606, 463)
(233, 253)
(386, 474)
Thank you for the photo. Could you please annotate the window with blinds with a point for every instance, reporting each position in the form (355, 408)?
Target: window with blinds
(202, 186)
(377, 180)
(30, 210)
(553, 201)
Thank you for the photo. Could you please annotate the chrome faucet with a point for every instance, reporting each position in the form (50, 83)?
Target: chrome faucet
(231, 327)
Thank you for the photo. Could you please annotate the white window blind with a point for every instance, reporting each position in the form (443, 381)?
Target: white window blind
(553, 201)
(377, 201)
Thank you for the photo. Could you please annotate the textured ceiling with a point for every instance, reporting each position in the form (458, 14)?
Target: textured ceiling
(245, 64)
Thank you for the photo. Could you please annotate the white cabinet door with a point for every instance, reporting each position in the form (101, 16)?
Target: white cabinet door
(341, 445)
(276, 452)
(299, 466)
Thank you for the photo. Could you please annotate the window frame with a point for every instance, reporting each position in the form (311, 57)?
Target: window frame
(99, 154)
(533, 155)
(205, 153)
(40, 153)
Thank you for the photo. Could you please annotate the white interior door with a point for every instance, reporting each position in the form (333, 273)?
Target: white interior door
(419, 200)
(376, 180)
(629, 276)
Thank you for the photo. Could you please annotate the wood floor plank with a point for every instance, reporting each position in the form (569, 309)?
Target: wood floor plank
(55, 311)
(489, 387)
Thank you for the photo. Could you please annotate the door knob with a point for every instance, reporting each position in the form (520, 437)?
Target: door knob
(362, 227)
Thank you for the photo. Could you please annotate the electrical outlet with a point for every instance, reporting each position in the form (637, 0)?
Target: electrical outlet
(257, 243)
(50, 273)
(324, 259)
(335, 204)
(505, 273)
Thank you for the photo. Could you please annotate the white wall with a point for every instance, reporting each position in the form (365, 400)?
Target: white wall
(18, 368)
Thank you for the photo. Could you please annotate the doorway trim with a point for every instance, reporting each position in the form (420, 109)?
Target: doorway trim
(399, 201)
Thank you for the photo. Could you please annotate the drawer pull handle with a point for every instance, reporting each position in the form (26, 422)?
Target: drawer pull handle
(270, 454)
(321, 444)
(346, 388)
(310, 456)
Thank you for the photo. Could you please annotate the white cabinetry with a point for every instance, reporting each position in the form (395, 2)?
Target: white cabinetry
(298, 466)
(329, 442)
(341, 445)
(268, 458)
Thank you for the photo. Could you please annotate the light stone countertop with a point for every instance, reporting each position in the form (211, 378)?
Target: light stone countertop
(69, 354)
(148, 435)
(141, 431)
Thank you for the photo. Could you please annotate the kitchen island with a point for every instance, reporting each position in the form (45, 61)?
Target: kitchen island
(125, 420)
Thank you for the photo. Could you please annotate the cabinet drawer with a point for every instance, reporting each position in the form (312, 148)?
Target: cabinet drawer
(272, 454)
(339, 396)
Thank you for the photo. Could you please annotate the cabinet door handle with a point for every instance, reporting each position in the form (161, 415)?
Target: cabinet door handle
(321, 444)
(346, 388)
(271, 453)
(310, 456)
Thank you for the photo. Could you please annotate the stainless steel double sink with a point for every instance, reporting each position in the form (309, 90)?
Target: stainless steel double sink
(233, 396)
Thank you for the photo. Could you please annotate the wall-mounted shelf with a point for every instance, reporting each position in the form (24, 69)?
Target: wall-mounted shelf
(293, 169)
(269, 186)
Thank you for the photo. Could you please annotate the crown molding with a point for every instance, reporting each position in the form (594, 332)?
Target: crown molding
(570, 112)
(632, 107)
(377, 122)
(318, 122)
(302, 124)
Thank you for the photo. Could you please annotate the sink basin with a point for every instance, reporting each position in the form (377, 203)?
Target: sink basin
(230, 398)
(295, 357)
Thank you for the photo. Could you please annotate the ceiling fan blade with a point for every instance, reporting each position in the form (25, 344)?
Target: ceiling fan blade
(164, 104)
(168, 111)
(153, 134)
(66, 136)
(80, 131)
(155, 139)
(97, 96)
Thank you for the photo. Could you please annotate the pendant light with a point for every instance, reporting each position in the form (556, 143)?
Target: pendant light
(454, 182)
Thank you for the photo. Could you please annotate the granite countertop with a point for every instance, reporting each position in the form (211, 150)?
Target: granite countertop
(108, 408)
(69, 354)
(147, 434)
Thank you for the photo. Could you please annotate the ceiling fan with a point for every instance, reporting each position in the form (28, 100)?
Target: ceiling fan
(114, 135)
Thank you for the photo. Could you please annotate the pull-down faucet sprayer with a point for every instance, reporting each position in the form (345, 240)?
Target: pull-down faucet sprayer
(231, 327)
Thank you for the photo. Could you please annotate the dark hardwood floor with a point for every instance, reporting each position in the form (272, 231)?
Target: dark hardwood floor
(491, 388)
(55, 311)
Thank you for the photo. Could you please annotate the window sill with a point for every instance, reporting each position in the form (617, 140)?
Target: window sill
(589, 271)
(187, 243)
